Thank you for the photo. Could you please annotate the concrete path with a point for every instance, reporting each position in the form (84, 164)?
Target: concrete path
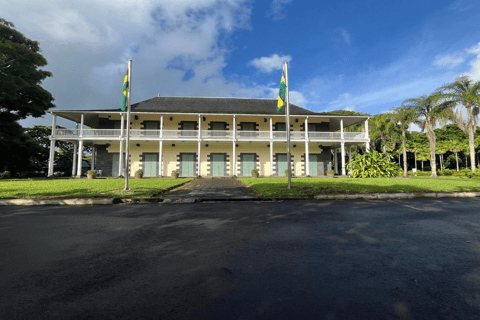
(210, 189)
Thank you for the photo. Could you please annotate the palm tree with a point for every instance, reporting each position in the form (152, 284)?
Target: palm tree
(465, 92)
(441, 149)
(430, 111)
(380, 127)
(454, 146)
(402, 117)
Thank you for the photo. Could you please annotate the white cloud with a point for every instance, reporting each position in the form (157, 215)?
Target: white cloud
(276, 9)
(268, 64)
(351, 108)
(448, 61)
(345, 34)
(474, 72)
(88, 43)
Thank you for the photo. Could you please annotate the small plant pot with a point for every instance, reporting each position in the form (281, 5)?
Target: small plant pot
(91, 176)
(255, 175)
(138, 176)
(175, 175)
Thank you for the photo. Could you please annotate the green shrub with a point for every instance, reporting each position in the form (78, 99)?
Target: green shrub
(92, 171)
(330, 171)
(373, 165)
(254, 171)
(5, 175)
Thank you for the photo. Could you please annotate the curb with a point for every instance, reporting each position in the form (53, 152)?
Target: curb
(390, 196)
(358, 196)
(53, 202)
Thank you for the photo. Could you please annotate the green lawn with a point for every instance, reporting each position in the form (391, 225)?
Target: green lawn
(301, 187)
(79, 188)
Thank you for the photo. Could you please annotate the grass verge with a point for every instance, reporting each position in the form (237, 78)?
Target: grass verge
(309, 187)
(84, 188)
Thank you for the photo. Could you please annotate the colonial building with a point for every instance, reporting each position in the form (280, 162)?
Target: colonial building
(210, 137)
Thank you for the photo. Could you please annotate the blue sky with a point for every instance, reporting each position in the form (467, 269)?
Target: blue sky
(366, 56)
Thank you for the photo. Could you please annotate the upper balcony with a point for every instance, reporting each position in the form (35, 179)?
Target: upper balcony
(215, 135)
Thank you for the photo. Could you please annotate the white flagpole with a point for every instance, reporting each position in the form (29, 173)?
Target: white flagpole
(127, 147)
(288, 128)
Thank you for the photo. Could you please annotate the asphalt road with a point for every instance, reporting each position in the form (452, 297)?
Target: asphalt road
(406, 259)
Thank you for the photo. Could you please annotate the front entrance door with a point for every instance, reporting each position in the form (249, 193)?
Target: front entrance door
(187, 164)
(151, 164)
(312, 158)
(248, 164)
(115, 164)
(316, 166)
(281, 164)
(218, 164)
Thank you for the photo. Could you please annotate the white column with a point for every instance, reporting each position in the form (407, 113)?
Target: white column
(160, 149)
(80, 157)
(234, 128)
(81, 125)
(307, 160)
(51, 159)
(343, 158)
(234, 159)
(367, 148)
(199, 126)
(271, 129)
(93, 158)
(199, 158)
(336, 161)
(307, 157)
(271, 157)
(160, 158)
(341, 129)
(74, 162)
(121, 158)
(199, 154)
(350, 156)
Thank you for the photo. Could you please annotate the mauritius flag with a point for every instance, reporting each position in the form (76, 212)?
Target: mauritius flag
(281, 94)
(124, 97)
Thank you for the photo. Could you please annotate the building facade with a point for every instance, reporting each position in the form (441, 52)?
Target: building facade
(210, 137)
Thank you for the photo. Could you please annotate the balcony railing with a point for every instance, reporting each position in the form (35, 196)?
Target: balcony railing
(208, 135)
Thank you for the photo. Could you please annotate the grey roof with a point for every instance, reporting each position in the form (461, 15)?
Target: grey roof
(214, 105)
(202, 105)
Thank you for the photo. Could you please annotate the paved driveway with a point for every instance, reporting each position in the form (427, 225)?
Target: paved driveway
(411, 259)
(210, 189)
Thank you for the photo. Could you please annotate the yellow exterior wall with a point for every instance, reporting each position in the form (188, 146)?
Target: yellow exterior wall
(170, 153)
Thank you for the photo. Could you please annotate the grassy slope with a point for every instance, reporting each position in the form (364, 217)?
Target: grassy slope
(302, 187)
(78, 188)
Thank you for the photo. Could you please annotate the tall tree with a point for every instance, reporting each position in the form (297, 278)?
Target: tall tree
(402, 117)
(430, 111)
(20, 92)
(380, 127)
(465, 92)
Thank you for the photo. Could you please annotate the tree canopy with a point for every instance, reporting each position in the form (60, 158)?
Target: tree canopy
(21, 94)
(20, 75)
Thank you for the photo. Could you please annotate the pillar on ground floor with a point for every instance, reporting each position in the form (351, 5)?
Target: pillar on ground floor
(367, 147)
(80, 159)
(160, 158)
(121, 159)
(350, 157)
(234, 159)
(199, 158)
(74, 162)
(336, 160)
(51, 158)
(92, 164)
(307, 160)
(343, 158)
(271, 157)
